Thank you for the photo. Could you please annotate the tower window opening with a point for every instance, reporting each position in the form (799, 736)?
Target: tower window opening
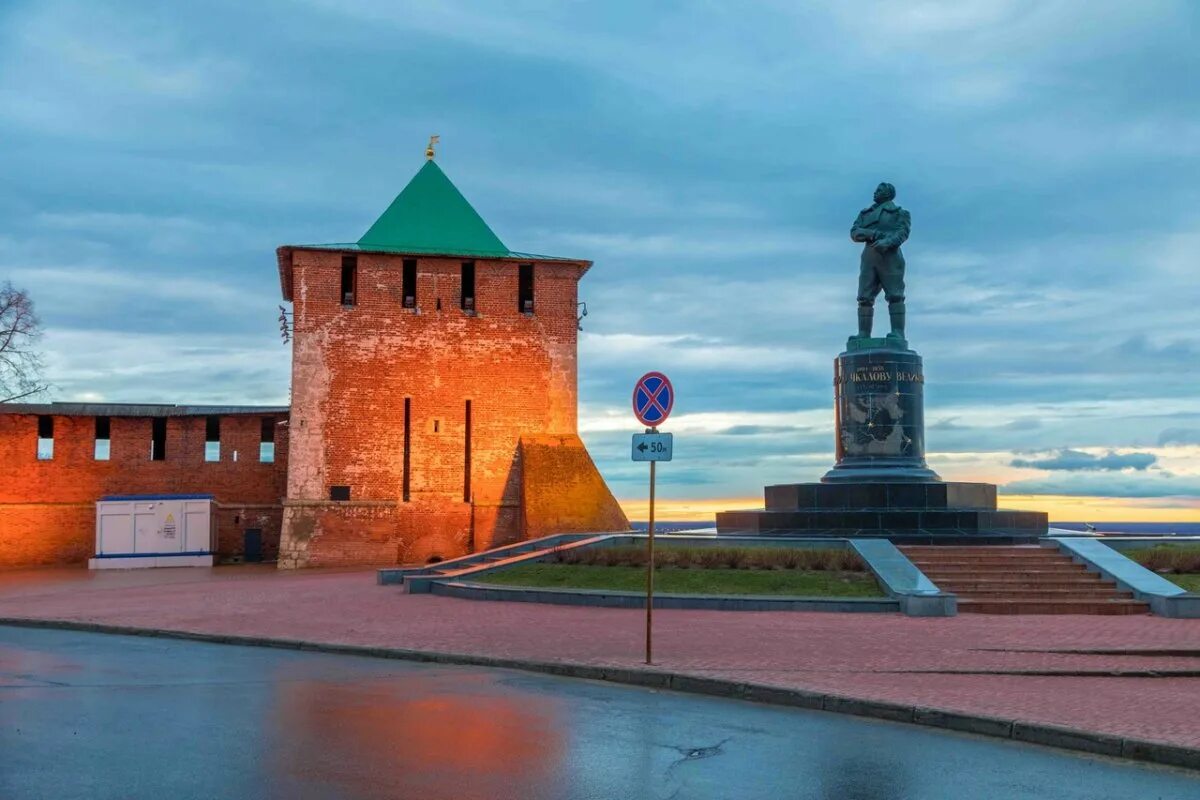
(525, 288)
(45, 442)
(468, 286)
(102, 449)
(349, 280)
(409, 283)
(158, 439)
(212, 438)
(266, 441)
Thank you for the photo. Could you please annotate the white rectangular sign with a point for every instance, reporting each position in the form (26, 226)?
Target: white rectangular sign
(652, 447)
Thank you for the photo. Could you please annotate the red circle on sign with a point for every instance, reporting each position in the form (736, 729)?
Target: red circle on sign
(652, 411)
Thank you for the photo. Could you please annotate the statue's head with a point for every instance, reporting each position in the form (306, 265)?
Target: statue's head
(885, 192)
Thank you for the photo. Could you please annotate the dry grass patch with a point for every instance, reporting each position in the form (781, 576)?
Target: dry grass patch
(1180, 563)
(1168, 558)
(823, 559)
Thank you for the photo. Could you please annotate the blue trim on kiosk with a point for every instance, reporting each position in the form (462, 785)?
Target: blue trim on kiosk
(136, 497)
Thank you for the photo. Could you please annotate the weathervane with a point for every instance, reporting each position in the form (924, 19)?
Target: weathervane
(429, 150)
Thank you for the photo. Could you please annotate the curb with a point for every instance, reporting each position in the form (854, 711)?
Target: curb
(614, 598)
(1056, 736)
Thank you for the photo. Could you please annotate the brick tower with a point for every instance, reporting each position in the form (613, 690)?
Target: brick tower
(433, 391)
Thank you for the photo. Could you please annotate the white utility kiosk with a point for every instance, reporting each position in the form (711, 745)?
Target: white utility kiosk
(155, 530)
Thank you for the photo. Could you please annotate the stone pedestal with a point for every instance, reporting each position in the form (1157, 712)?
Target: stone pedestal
(880, 485)
(879, 417)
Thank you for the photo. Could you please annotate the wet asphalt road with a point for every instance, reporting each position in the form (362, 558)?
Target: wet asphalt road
(96, 716)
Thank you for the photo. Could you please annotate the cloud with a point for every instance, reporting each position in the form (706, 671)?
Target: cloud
(745, 243)
(93, 72)
(1074, 460)
(103, 365)
(1096, 484)
(1179, 436)
(688, 351)
(595, 419)
(755, 430)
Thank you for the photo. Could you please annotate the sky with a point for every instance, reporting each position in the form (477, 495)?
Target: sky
(708, 157)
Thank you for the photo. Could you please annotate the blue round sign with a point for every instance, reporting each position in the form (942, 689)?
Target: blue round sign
(653, 397)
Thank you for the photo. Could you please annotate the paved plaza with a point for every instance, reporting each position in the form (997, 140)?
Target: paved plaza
(1135, 677)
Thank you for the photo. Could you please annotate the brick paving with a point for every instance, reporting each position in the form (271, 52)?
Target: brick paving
(873, 656)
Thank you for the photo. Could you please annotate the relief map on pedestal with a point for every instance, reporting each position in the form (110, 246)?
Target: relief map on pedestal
(876, 410)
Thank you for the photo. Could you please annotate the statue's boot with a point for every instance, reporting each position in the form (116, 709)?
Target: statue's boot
(866, 315)
(896, 312)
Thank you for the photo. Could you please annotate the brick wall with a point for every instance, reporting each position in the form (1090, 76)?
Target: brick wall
(425, 529)
(562, 491)
(45, 534)
(47, 512)
(353, 368)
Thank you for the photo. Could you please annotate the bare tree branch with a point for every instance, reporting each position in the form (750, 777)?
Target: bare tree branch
(23, 394)
(20, 360)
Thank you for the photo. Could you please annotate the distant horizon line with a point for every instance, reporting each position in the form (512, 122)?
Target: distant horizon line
(1062, 509)
(1052, 522)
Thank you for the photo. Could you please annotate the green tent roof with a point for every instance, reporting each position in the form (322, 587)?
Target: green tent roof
(432, 216)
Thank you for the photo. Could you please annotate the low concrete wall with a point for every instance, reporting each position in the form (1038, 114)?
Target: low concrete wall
(396, 575)
(1165, 598)
(908, 590)
(614, 599)
(903, 580)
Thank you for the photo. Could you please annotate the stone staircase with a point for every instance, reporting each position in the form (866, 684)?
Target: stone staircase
(1020, 580)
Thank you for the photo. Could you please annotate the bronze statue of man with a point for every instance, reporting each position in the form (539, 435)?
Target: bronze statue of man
(882, 228)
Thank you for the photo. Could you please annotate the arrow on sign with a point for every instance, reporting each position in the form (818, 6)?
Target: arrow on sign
(642, 447)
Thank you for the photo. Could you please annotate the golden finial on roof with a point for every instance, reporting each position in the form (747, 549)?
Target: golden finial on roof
(429, 150)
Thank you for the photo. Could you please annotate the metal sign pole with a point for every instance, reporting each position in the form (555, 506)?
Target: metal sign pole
(650, 563)
(653, 399)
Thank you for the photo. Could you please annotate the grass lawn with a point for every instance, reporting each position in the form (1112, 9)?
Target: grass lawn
(800, 583)
(1191, 581)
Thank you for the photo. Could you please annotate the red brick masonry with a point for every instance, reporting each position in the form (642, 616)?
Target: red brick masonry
(373, 379)
(971, 664)
(47, 508)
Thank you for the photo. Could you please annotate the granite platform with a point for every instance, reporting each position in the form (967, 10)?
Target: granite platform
(941, 512)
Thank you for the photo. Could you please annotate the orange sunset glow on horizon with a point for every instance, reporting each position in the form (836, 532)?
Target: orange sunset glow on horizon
(1060, 508)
